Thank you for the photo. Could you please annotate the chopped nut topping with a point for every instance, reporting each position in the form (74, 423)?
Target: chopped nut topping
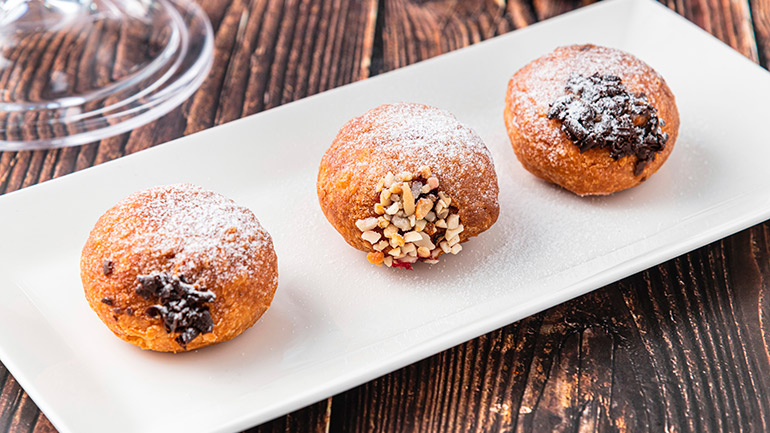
(397, 241)
(416, 189)
(445, 198)
(408, 201)
(450, 233)
(412, 237)
(413, 221)
(366, 224)
(425, 242)
(453, 221)
(388, 181)
(430, 229)
(382, 222)
(404, 176)
(440, 206)
(375, 258)
(371, 236)
(423, 207)
(401, 223)
(393, 209)
(432, 183)
(408, 249)
(390, 231)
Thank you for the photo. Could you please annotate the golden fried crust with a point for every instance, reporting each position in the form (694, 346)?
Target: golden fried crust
(541, 146)
(180, 230)
(403, 138)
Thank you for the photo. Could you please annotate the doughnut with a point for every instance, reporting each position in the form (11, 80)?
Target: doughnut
(591, 119)
(176, 268)
(406, 183)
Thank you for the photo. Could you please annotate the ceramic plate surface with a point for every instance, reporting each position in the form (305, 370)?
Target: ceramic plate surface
(337, 321)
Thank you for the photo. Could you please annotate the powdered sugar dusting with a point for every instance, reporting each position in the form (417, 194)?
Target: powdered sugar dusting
(557, 67)
(420, 128)
(195, 228)
(405, 132)
(435, 134)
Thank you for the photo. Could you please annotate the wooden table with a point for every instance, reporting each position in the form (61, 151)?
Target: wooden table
(681, 347)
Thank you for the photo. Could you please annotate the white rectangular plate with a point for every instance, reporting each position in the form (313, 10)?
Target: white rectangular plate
(337, 321)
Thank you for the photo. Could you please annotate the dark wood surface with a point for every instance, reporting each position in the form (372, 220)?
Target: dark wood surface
(681, 347)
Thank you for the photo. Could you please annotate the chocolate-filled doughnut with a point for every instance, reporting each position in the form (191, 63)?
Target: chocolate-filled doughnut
(594, 120)
(175, 268)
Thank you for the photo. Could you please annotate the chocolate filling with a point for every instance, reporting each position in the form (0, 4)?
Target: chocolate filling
(598, 111)
(182, 307)
(107, 267)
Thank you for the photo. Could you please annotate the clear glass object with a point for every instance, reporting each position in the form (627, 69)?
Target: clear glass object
(76, 71)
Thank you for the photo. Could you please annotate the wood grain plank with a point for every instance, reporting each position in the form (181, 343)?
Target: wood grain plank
(728, 20)
(413, 31)
(65, 163)
(11, 396)
(545, 9)
(460, 401)
(35, 167)
(7, 161)
(18, 170)
(43, 425)
(760, 15)
(25, 417)
(311, 419)
(231, 24)
(520, 13)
